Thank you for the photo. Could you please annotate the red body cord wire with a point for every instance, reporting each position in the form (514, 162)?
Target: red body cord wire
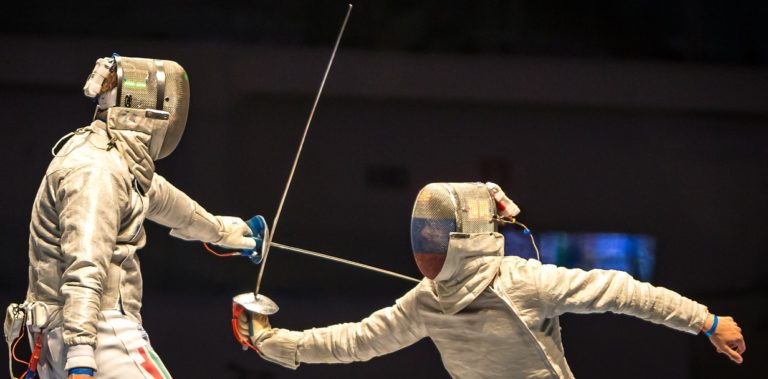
(32, 364)
(216, 253)
(36, 354)
(237, 310)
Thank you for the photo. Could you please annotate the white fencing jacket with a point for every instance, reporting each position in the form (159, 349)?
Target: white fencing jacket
(85, 229)
(490, 316)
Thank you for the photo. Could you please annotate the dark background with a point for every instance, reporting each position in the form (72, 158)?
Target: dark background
(594, 116)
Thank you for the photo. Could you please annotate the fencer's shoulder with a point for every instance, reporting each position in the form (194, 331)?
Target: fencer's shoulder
(80, 155)
(423, 291)
(520, 279)
(520, 270)
(77, 169)
(425, 286)
(421, 299)
(514, 263)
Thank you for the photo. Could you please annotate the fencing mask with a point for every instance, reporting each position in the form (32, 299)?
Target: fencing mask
(444, 208)
(161, 86)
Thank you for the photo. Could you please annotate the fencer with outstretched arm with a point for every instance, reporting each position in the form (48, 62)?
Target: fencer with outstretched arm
(490, 316)
(85, 286)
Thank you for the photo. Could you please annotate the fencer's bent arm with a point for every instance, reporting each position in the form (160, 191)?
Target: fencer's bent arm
(578, 291)
(383, 332)
(88, 199)
(171, 207)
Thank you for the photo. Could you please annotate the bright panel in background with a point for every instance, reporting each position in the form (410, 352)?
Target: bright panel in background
(631, 253)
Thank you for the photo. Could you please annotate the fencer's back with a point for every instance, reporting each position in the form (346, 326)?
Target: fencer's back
(87, 216)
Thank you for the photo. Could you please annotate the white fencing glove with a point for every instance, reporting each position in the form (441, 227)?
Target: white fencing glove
(225, 231)
(235, 234)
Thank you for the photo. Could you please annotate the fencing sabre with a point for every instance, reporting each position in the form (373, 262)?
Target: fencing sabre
(256, 302)
(256, 258)
(344, 261)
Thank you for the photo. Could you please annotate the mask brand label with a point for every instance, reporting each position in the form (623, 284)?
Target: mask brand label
(135, 84)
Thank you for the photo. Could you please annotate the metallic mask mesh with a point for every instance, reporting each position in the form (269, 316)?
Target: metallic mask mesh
(137, 83)
(176, 103)
(443, 208)
(155, 84)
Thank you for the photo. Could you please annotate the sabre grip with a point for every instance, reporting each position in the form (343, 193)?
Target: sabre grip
(238, 310)
(260, 230)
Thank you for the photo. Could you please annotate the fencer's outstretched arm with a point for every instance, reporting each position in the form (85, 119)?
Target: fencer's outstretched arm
(385, 331)
(577, 291)
(188, 220)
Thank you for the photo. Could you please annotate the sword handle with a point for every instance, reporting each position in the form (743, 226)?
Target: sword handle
(260, 230)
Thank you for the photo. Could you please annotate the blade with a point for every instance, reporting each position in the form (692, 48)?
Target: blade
(298, 153)
(344, 261)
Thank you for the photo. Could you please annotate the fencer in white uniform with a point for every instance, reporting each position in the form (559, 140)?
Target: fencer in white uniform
(85, 286)
(490, 316)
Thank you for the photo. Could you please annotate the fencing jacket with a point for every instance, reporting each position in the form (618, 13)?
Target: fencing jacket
(86, 227)
(490, 316)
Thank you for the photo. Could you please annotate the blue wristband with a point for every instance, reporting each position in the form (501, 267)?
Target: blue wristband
(81, 370)
(712, 329)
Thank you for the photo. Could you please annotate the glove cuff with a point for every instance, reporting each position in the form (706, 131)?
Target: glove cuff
(279, 346)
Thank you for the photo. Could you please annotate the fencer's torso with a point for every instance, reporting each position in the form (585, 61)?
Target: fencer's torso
(467, 311)
(487, 339)
(472, 320)
(89, 192)
(85, 231)
(490, 316)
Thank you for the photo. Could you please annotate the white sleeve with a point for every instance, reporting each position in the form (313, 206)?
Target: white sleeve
(578, 291)
(385, 331)
(171, 207)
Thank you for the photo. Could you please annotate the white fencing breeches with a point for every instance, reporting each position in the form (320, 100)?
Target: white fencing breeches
(123, 351)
